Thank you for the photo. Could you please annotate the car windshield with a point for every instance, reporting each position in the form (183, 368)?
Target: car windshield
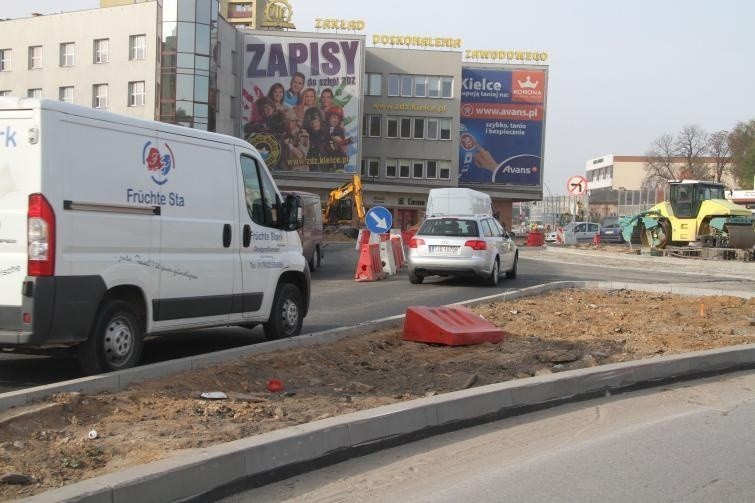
(449, 227)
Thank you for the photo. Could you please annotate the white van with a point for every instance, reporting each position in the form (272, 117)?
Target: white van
(113, 228)
(457, 201)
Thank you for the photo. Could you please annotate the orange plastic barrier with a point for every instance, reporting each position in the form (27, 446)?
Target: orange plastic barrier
(364, 237)
(398, 251)
(535, 238)
(370, 265)
(407, 236)
(449, 325)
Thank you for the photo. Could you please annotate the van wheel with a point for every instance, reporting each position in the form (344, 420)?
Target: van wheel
(116, 340)
(512, 273)
(493, 278)
(314, 260)
(286, 313)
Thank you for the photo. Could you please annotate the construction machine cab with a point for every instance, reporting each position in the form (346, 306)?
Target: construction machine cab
(687, 197)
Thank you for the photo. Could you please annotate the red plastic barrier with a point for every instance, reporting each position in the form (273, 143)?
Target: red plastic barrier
(398, 251)
(370, 265)
(596, 239)
(364, 237)
(407, 236)
(449, 325)
(535, 238)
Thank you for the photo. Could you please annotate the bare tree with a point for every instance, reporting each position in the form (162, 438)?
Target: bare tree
(660, 166)
(720, 151)
(691, 145)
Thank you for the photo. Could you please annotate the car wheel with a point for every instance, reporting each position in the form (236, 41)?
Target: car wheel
(512, 273)
(286, 314)
(415, 279)
(318, 255)
(115, 342)
(493, 278)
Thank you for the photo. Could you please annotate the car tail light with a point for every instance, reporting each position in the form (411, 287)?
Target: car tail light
(40, 237)
(415, 242)
(477, 244)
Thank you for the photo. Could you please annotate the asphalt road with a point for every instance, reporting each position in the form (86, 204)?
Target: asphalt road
(337, 300)
(691, 442)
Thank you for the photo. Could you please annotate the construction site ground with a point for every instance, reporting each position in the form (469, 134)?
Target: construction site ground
(72, 437)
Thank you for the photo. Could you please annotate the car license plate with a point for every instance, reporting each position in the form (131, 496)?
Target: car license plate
(608, 232)
(444, 249)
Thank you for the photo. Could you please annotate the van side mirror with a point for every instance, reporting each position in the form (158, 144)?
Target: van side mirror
(293, 215)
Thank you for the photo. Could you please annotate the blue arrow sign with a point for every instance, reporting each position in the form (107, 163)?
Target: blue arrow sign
(378, 220)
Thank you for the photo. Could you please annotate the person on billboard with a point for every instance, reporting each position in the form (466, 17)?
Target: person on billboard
(475, 157)
(268, 118)
(277, 93)
(308, 100)
(318, 134)
(334, 118)
(292, 95)
(326, 99)
(295, 141)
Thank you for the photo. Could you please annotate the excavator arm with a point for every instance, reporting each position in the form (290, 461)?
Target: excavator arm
(339, 196)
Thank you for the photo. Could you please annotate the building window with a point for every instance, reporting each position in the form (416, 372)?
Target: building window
(99, 96)
(390, 168)
(5, 92)
(432, 169)
(407, 84)
(432, 129)
(419, 128)
(445, 170)
(137, 45)
(418, 169)
(34, 93)
(420, 86)
(101, 51)
(5, 60)
(373, 84)
(67, 54)
(136, 94)
(433, 87)
(393, 85)
(406, 128)
(35, 57)
(371, 125)
(403, 168)
(392, 130)
(66, 94)
(371, 167)
(445, 129)
(446, 87)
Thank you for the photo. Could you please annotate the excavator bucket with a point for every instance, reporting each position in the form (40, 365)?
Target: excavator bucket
(741, 236)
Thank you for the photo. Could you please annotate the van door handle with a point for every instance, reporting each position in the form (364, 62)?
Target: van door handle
(247, 235)
(226, 235)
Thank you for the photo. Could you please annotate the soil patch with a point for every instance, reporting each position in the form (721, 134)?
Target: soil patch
(48, 445)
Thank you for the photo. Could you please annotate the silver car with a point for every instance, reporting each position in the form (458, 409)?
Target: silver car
(462, 246)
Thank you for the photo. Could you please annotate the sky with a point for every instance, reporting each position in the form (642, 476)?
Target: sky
(620, 73)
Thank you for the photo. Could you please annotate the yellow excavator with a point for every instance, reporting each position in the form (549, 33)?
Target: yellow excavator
(343, 202)
(696, 212)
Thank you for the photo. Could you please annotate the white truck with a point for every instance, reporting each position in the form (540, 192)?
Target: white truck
(114, 228)
(458, 201)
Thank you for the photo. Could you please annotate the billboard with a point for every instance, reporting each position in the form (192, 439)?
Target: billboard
(502, 125)
(300, 101)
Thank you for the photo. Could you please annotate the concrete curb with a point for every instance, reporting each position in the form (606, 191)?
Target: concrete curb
(262, 458)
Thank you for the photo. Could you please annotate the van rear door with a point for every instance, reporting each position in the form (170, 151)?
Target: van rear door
(19, 177)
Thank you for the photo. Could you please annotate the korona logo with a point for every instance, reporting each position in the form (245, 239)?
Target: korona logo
(158, 165)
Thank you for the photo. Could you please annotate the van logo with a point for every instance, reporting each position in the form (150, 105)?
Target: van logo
(158, 165)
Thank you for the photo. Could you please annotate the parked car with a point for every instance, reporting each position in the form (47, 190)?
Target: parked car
(464, 245)
(550, 237)
(610, 231)
(580, 232)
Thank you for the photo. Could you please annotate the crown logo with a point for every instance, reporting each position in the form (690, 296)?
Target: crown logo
(528, 83)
